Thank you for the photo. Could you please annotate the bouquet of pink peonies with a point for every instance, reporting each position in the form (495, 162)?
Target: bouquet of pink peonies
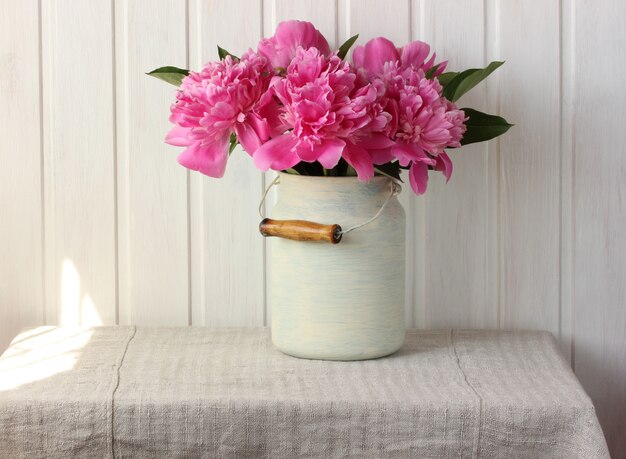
(295, 106)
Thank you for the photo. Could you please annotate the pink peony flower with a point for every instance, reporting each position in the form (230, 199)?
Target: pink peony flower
(280, 49)
(329, 114)
(294, 101)
(379, 51)
(225, 97)
(423, 123)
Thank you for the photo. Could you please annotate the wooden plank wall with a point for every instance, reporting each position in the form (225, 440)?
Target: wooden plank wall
(99, 225)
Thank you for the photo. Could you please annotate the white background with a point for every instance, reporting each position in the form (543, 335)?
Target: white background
(98, 223)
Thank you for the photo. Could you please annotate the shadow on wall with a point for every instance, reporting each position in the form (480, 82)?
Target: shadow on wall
(601, 376)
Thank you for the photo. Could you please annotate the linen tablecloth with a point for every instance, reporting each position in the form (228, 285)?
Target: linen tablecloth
(196, 392)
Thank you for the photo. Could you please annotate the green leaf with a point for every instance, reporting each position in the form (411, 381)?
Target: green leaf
(343, 49)
(451, 87)
(233, 143)
(169, 74)
(472, 80)
(446, 78)
(222, 53)
(466, 80)
(389, 169)
(482, 126)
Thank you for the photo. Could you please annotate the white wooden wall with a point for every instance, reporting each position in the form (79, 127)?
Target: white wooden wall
(98, 224)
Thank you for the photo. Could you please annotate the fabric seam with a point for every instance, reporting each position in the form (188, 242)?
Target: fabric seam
(115, 382)
(480, 399)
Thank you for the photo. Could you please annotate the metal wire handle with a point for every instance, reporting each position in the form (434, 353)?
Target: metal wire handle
(396, 188)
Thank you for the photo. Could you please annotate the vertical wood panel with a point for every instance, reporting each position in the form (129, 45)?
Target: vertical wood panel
(152, 187)
(79, 162)
(226, 247)
(21, 262)
(492, 165)
(566, 324)
(530, 165)
(599, 142)
(393, 20)
(457, 216)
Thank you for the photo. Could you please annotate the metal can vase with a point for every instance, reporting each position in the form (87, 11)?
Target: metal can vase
(339, 301)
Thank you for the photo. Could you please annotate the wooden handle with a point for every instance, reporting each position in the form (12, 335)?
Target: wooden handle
(300, 230)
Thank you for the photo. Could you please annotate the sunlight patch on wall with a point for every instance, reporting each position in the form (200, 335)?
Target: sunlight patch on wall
(75, 310)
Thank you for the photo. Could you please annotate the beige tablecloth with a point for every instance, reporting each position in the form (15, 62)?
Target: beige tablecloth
(196, 392)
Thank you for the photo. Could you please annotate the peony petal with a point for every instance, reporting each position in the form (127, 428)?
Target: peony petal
(377, 52)
(444, 165)
(260, 126)
(278, 153)
(428, 64)
(248, 138)
(291, 34)
(223, 111)
(418, 177)
(381, 156)
(441, 67)
(329, 152)
(281, 48)
(376, 142)
(358, 56)
(270, 111)
(209, 159)
(407, 152)
(359, 158)
(178, 136)
(277, 56)
(415, 53)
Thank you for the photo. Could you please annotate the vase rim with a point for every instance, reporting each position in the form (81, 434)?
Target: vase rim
(325, 177)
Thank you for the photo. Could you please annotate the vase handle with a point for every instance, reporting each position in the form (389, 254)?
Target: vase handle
(301, 230)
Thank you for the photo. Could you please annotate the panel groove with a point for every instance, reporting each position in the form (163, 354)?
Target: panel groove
(263, 185)
(567, 46)
(336, 4)
(122, 111)
(47, 23)
(115, 159)
(417, 297)
(197, 228)
(493, 255)
(42, 190)
(188, 190)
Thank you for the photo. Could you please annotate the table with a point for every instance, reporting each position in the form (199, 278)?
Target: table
(145, 392)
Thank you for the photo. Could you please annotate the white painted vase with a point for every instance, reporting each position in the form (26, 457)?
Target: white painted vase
(339, 301)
